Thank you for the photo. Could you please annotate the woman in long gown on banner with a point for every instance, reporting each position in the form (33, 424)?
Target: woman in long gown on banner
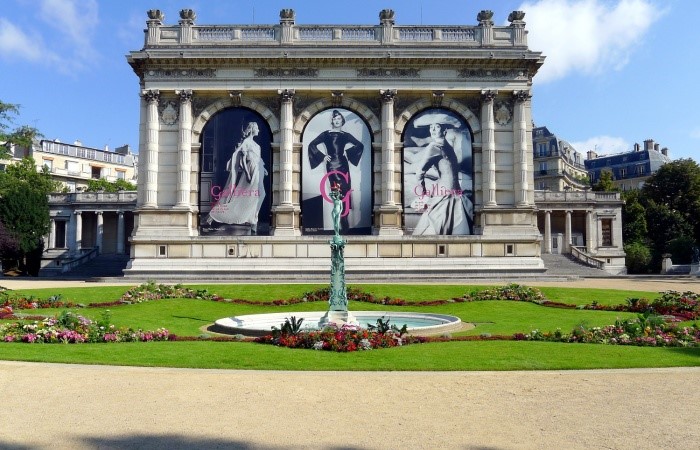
(342, 149)
(447, 208)
(243, 195)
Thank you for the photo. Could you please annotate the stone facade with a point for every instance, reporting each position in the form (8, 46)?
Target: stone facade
(630, 170)
(213, 95)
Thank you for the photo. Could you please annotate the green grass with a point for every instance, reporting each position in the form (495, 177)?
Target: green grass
(186, 317)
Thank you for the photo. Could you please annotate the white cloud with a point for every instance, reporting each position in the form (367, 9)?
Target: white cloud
(587, 36)
(75, 21)
(695, 133)
(603, 145)
(16, 43)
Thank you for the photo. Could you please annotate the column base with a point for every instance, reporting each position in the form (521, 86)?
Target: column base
(285, 219)
(388, 221)
(339, 318)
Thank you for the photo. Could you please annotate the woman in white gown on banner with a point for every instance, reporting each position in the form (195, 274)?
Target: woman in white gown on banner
(447, 208)
(242, 197)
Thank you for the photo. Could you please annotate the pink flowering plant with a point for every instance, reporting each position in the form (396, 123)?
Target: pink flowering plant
(71, 328)
(645, 330)
(339, 338)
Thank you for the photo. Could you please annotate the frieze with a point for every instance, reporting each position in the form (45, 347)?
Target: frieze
(181, 73)
(388, 73)
(286, 73)
(504, 74)
(168, 112)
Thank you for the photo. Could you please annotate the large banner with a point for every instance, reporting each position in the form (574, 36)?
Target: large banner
(235, 182)
(438, 189)
(337, 149)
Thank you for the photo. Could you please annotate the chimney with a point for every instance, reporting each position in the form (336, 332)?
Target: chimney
(78, 143)
(591, 154)
(106, 148)
(636, 147)
(664, 151)
(649, 144)
(656, 147)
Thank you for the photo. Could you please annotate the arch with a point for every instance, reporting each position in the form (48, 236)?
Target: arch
(219, 105)
(358, 108)
(474, 124)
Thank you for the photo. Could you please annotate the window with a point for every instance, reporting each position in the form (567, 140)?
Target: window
(543, 186)
(96, 172)
(70, 185)
(606, 230)
(2, 167)
(639, 170)
(48, 163)
(543, 168)
(60, 238)
(121, 175)
(623, 172)
(73, 166)
(542, 149)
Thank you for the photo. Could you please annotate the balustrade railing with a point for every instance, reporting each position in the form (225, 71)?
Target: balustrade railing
(581, 255)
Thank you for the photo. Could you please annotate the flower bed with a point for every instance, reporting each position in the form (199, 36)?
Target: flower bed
(347, 338)
(70, 328)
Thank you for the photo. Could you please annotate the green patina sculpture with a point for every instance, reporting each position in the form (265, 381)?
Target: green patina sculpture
(338, 298)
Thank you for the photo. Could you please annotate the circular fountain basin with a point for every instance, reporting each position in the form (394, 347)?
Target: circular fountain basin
(261, 324)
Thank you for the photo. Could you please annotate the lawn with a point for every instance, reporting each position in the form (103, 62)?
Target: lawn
(189, 317)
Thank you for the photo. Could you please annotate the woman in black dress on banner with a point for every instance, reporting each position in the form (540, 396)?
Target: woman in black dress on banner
(342, 149)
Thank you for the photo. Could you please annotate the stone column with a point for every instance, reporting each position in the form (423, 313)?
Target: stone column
(488, 149)
(520, 153)
(589, 232)
(100, 231)
(184, 166)
(78, 231)
(52, 235)
(388, 213)
(286, 214)
(548, 231)
(286, 145)
(567, 233)
(151, 149)
(120, 232)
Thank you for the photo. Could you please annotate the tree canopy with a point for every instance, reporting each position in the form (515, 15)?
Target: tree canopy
(22, 136)
(107, 186)
(605, 182)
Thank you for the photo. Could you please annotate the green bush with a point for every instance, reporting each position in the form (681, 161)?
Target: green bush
(638, 258)
(681, 249)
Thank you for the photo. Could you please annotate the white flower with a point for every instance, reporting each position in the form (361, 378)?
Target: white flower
(318, 345)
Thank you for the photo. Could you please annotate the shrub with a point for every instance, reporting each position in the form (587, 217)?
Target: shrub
(638, 257)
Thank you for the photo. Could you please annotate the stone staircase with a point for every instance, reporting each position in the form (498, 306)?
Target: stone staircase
(106, 265)
(563, 265)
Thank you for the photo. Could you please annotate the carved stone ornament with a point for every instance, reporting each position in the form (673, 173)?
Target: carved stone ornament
(336, 98)
(287, 14)
(516, 16)
(181, 73)
(235, 98)
(484, 17)
(437, 98)
(386, 16)
(387, 95)
(155, 14)
(286, 73)
(188, 15)
(169, 113)
(498, 74)
(502, 114)
(388, 73)
(185, 95)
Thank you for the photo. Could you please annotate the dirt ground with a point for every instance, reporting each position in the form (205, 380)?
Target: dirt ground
(47, 406)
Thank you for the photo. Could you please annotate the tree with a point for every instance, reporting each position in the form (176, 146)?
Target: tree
(634, 222)
(22, 136)
(664, 225)
(605, 182)
(24, 208)
(677, 185)
(104, 185)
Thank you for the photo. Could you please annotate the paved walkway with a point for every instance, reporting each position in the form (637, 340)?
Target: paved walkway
(49, 406)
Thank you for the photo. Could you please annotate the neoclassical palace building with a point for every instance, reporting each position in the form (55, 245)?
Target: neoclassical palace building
(427, 131)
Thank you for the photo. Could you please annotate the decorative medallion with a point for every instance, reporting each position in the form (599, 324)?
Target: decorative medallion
(169, 113)
(502, 114)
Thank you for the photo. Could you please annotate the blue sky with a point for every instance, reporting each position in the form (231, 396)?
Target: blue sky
(617, 71)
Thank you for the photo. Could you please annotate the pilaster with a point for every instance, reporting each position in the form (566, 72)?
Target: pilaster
(388, 218)
(286, 214)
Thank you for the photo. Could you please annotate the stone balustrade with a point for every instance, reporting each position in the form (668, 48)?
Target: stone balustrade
(93, 197)
(547, 196)
(287, 32)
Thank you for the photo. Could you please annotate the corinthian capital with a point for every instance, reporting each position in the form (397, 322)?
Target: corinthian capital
(387, 95)
(185, 95)
(521, 96)
(286, 95)
(150, 95)
(488, 95)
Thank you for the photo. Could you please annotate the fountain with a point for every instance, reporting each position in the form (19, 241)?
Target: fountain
(338, 314)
